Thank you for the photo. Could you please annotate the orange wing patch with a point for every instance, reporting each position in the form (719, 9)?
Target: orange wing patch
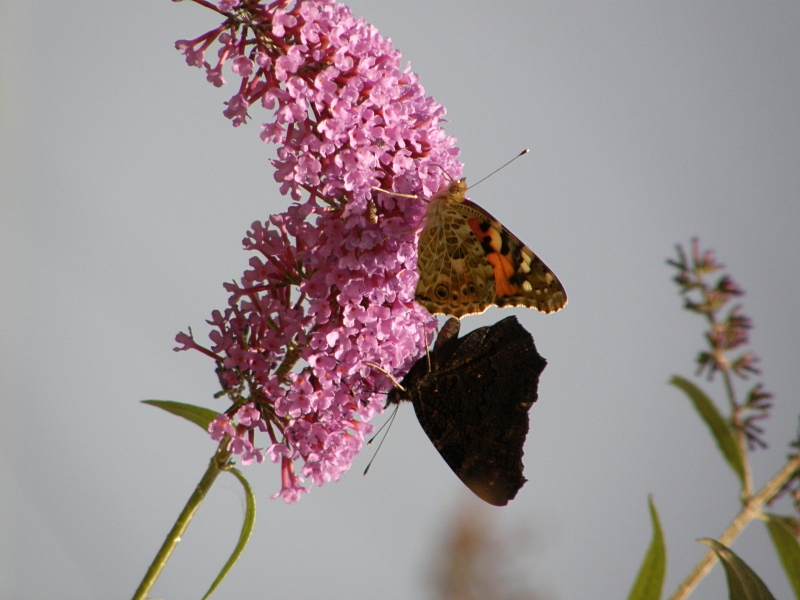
(491, 239)
(503, 270)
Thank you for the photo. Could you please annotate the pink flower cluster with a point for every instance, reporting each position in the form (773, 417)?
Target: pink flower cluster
(331, 287)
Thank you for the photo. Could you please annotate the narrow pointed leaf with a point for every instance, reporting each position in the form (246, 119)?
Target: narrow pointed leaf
(743, 583)
(196, 414)
(244, 536)
(788, 549)
(720, 429)
(650, 581)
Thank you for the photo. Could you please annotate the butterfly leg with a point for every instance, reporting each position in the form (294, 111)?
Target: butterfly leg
(398, 194)
(389, 375)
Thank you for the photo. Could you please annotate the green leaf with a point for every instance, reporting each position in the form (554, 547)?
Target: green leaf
(743, 583)
(196, 414)
(722, 432)
(788, 549)
(650, 581)
(247, 529)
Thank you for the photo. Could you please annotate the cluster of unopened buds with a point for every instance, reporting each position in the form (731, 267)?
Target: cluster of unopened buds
(727, 333)
(331, 285)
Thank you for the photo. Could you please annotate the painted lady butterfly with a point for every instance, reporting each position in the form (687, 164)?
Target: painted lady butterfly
(467, 262)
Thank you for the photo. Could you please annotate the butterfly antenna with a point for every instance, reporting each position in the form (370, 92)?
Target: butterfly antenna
(377, 433)
(501, 168)
(445, 173)
(390, 421)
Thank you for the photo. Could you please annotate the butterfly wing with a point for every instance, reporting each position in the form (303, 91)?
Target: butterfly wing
(454, 277)
(474, 405)
(467, 262)
(521, 278)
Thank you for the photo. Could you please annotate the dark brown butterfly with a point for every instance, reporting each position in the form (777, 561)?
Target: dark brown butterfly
(473, 403)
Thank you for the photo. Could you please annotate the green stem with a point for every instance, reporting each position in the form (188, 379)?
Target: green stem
(751, 510)
(218, 463)
(747, 483)
(726, 376)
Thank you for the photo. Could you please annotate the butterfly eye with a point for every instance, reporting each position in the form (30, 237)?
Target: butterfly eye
(442, 291)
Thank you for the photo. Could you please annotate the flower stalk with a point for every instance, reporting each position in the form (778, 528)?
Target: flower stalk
(330, 288)
(218, 463)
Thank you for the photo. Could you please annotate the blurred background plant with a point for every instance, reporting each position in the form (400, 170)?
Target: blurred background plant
(477, 559)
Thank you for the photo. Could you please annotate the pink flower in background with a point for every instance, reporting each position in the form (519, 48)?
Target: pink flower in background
(329, 287)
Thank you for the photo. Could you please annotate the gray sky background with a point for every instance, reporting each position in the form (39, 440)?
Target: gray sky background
(125, 196)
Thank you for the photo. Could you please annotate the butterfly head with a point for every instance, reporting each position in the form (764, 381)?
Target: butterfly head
(452, 192)
(396, 396)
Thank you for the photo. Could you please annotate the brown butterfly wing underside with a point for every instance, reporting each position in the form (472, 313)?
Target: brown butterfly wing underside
(473, 403)
(467, 262)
